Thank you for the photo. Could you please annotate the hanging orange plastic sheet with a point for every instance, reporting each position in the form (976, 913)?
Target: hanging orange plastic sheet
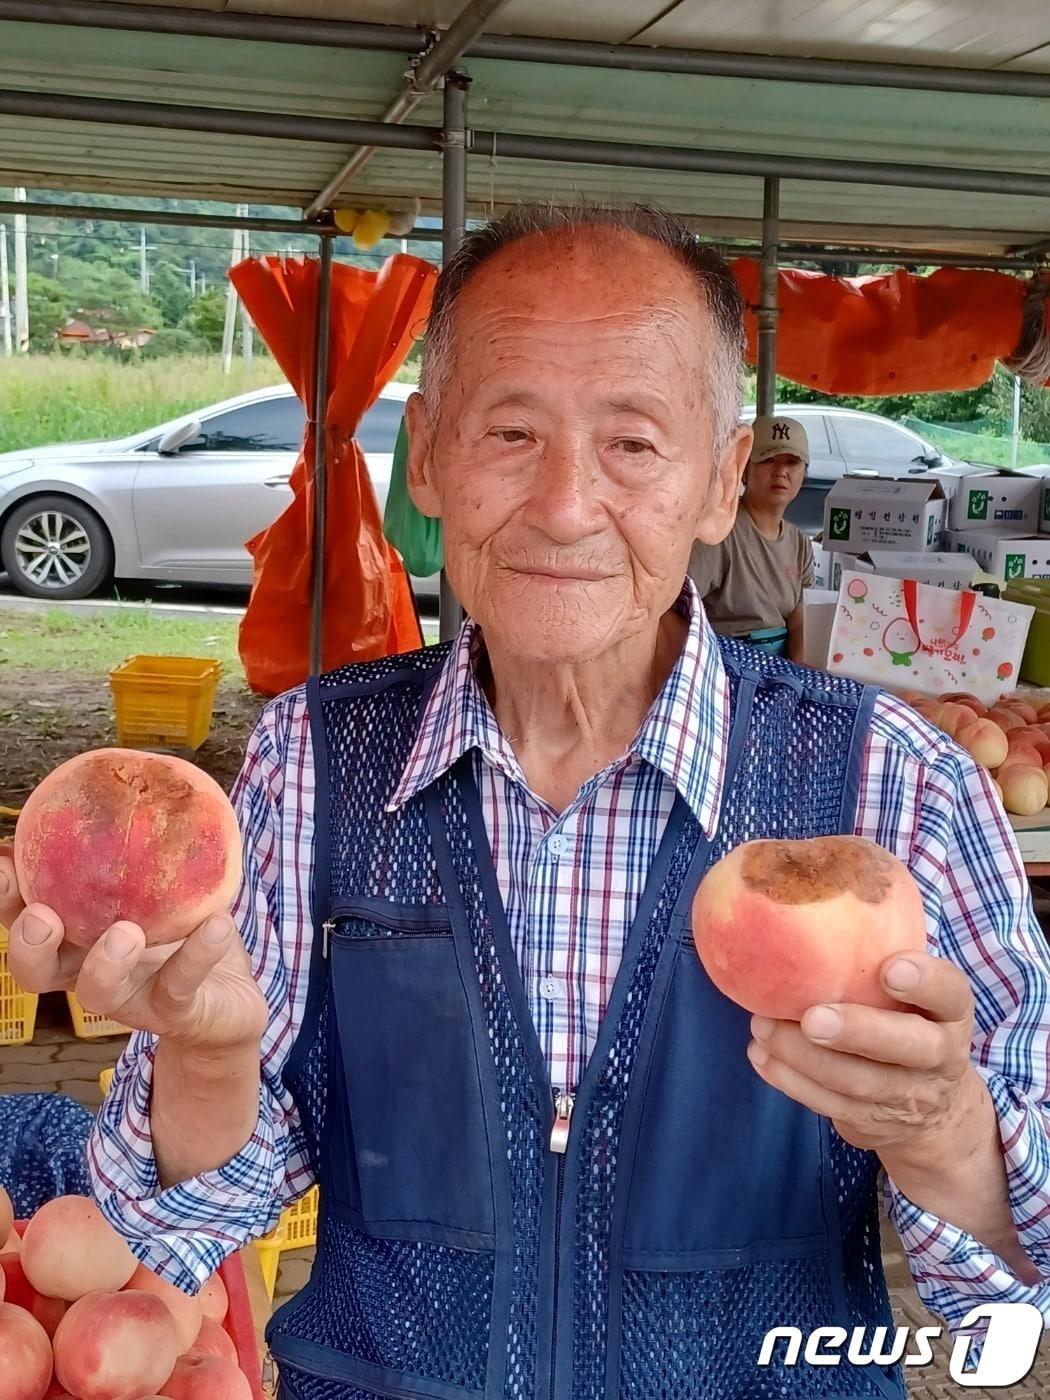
(368, 607)
(894, 334)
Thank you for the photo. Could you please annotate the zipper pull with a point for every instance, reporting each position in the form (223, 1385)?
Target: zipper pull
(326, 929)
(563, 1106)
(269, 1373)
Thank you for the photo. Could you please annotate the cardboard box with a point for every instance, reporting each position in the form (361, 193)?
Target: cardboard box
(997, 501)
(818, 614)
(828, 565)
(1044, 517)
(1002, 555)
(956, 571)
(863, 514)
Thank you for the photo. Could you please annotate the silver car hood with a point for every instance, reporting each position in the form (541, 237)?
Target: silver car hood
(58, 451)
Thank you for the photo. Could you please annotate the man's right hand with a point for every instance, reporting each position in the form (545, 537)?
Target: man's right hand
(198, 994)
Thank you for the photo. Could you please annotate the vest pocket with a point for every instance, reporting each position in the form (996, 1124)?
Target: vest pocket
(414, 1124)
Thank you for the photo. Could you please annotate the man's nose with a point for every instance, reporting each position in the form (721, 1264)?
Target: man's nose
(564, 501)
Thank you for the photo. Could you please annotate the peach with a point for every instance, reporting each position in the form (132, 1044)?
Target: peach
(1005, 719)
(783, 925)
(207, 1378)
(1021, 756)
(985, 741)
(12, 1246)
(1024, 789)
(116, 834)
(185, 1310)
(1028, 712)
(213, 1299)
(7, 1214)
(213, 1340)
(70, 1250)
(49, 1312)
(1043, 715)
(25, 1355)
(17, 1289)
(114, 1346)
(951, 717)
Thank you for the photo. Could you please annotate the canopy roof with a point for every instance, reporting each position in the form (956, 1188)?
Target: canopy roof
(310, 67)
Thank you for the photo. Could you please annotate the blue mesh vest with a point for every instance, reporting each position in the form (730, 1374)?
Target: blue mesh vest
(458, 1257)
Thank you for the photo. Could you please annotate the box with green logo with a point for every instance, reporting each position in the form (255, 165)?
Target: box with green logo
(1044, 516)
(863, 513)
(997, 501)
(1004, 556)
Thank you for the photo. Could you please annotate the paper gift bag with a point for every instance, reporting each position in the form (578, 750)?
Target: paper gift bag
(902, 635)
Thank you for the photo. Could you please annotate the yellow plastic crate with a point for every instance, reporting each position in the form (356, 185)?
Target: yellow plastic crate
(164, 701)
(89, 1025)
(17, 1008)
(105, 1079)
(296, 1229)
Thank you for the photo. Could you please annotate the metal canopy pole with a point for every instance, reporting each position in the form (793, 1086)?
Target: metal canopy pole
(768, 312)
(454, 227)
(420, 82)
(640, 57)
(320, 463)
(162, 217)
(513, 145)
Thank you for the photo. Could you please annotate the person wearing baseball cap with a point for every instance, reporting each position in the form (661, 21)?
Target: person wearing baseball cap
(752, 582)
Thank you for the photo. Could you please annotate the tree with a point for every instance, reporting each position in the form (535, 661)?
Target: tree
(205, 318)
(107, 297)
(48, 311)
(169, 290)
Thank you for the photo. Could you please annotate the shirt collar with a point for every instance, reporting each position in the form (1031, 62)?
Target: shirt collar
(685, 734)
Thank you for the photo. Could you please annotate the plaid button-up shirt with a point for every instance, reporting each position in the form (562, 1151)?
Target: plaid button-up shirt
(571, 883)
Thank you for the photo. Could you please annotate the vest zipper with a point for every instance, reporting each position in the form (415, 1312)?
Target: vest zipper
(563, 1106)
(326, 933)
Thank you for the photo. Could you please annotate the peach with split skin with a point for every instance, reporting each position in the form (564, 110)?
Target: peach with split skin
(186, 1312)
(985, 742)
(213, 1299)
(117, 834)
(781, 926)
(25, 1356)
(1024, 788)
(70, 1250)
(207, 1378)
(113, 1346)
(214, 1340)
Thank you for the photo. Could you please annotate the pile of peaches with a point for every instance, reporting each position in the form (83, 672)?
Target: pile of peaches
(1011, 739)
(80, 1319)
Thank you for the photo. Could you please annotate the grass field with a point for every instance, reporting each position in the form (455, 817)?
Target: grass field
(54, 398)
(60, 641)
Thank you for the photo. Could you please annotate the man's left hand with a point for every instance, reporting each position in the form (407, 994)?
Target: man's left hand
(896, 1082)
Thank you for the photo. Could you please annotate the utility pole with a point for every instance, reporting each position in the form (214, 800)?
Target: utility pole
(5, 292)
(144, 247)
(193, 277)
(230, 323)
(1015, 427)
(247, 338)
(21, 279)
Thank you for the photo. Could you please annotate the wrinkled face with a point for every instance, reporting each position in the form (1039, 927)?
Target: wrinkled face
(571, 459)
(774, 484)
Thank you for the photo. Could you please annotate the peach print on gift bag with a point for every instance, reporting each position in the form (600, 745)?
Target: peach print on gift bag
(902, 635)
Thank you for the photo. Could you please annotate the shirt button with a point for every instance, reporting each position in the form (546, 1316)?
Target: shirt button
(548, 989)
(558, 844)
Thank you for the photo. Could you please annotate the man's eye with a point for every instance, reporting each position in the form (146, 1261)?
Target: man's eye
(632, 446)
(512, 436)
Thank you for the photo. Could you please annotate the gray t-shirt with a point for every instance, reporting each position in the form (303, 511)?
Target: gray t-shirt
(749, 583)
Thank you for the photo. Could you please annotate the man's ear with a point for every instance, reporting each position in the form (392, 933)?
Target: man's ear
(420, 466)
(723, 493)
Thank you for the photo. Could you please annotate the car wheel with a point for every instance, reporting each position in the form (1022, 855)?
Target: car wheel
(54, 547)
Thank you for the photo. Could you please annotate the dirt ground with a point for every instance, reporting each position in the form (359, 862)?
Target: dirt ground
(76, 713)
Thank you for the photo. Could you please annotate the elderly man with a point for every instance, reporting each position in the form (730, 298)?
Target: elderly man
(459, 989)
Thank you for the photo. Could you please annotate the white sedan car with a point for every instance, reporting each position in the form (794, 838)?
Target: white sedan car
(176, 502)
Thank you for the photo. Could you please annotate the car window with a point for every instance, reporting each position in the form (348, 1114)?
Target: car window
(275, 425)
(378, 430)
(863, 438)
(807, 509)
(816, 426)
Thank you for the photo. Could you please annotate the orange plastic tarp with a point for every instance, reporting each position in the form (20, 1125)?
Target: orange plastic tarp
(893, 334)
(368, 606)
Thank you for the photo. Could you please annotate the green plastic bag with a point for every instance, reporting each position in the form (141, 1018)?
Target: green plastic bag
(416, 537)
